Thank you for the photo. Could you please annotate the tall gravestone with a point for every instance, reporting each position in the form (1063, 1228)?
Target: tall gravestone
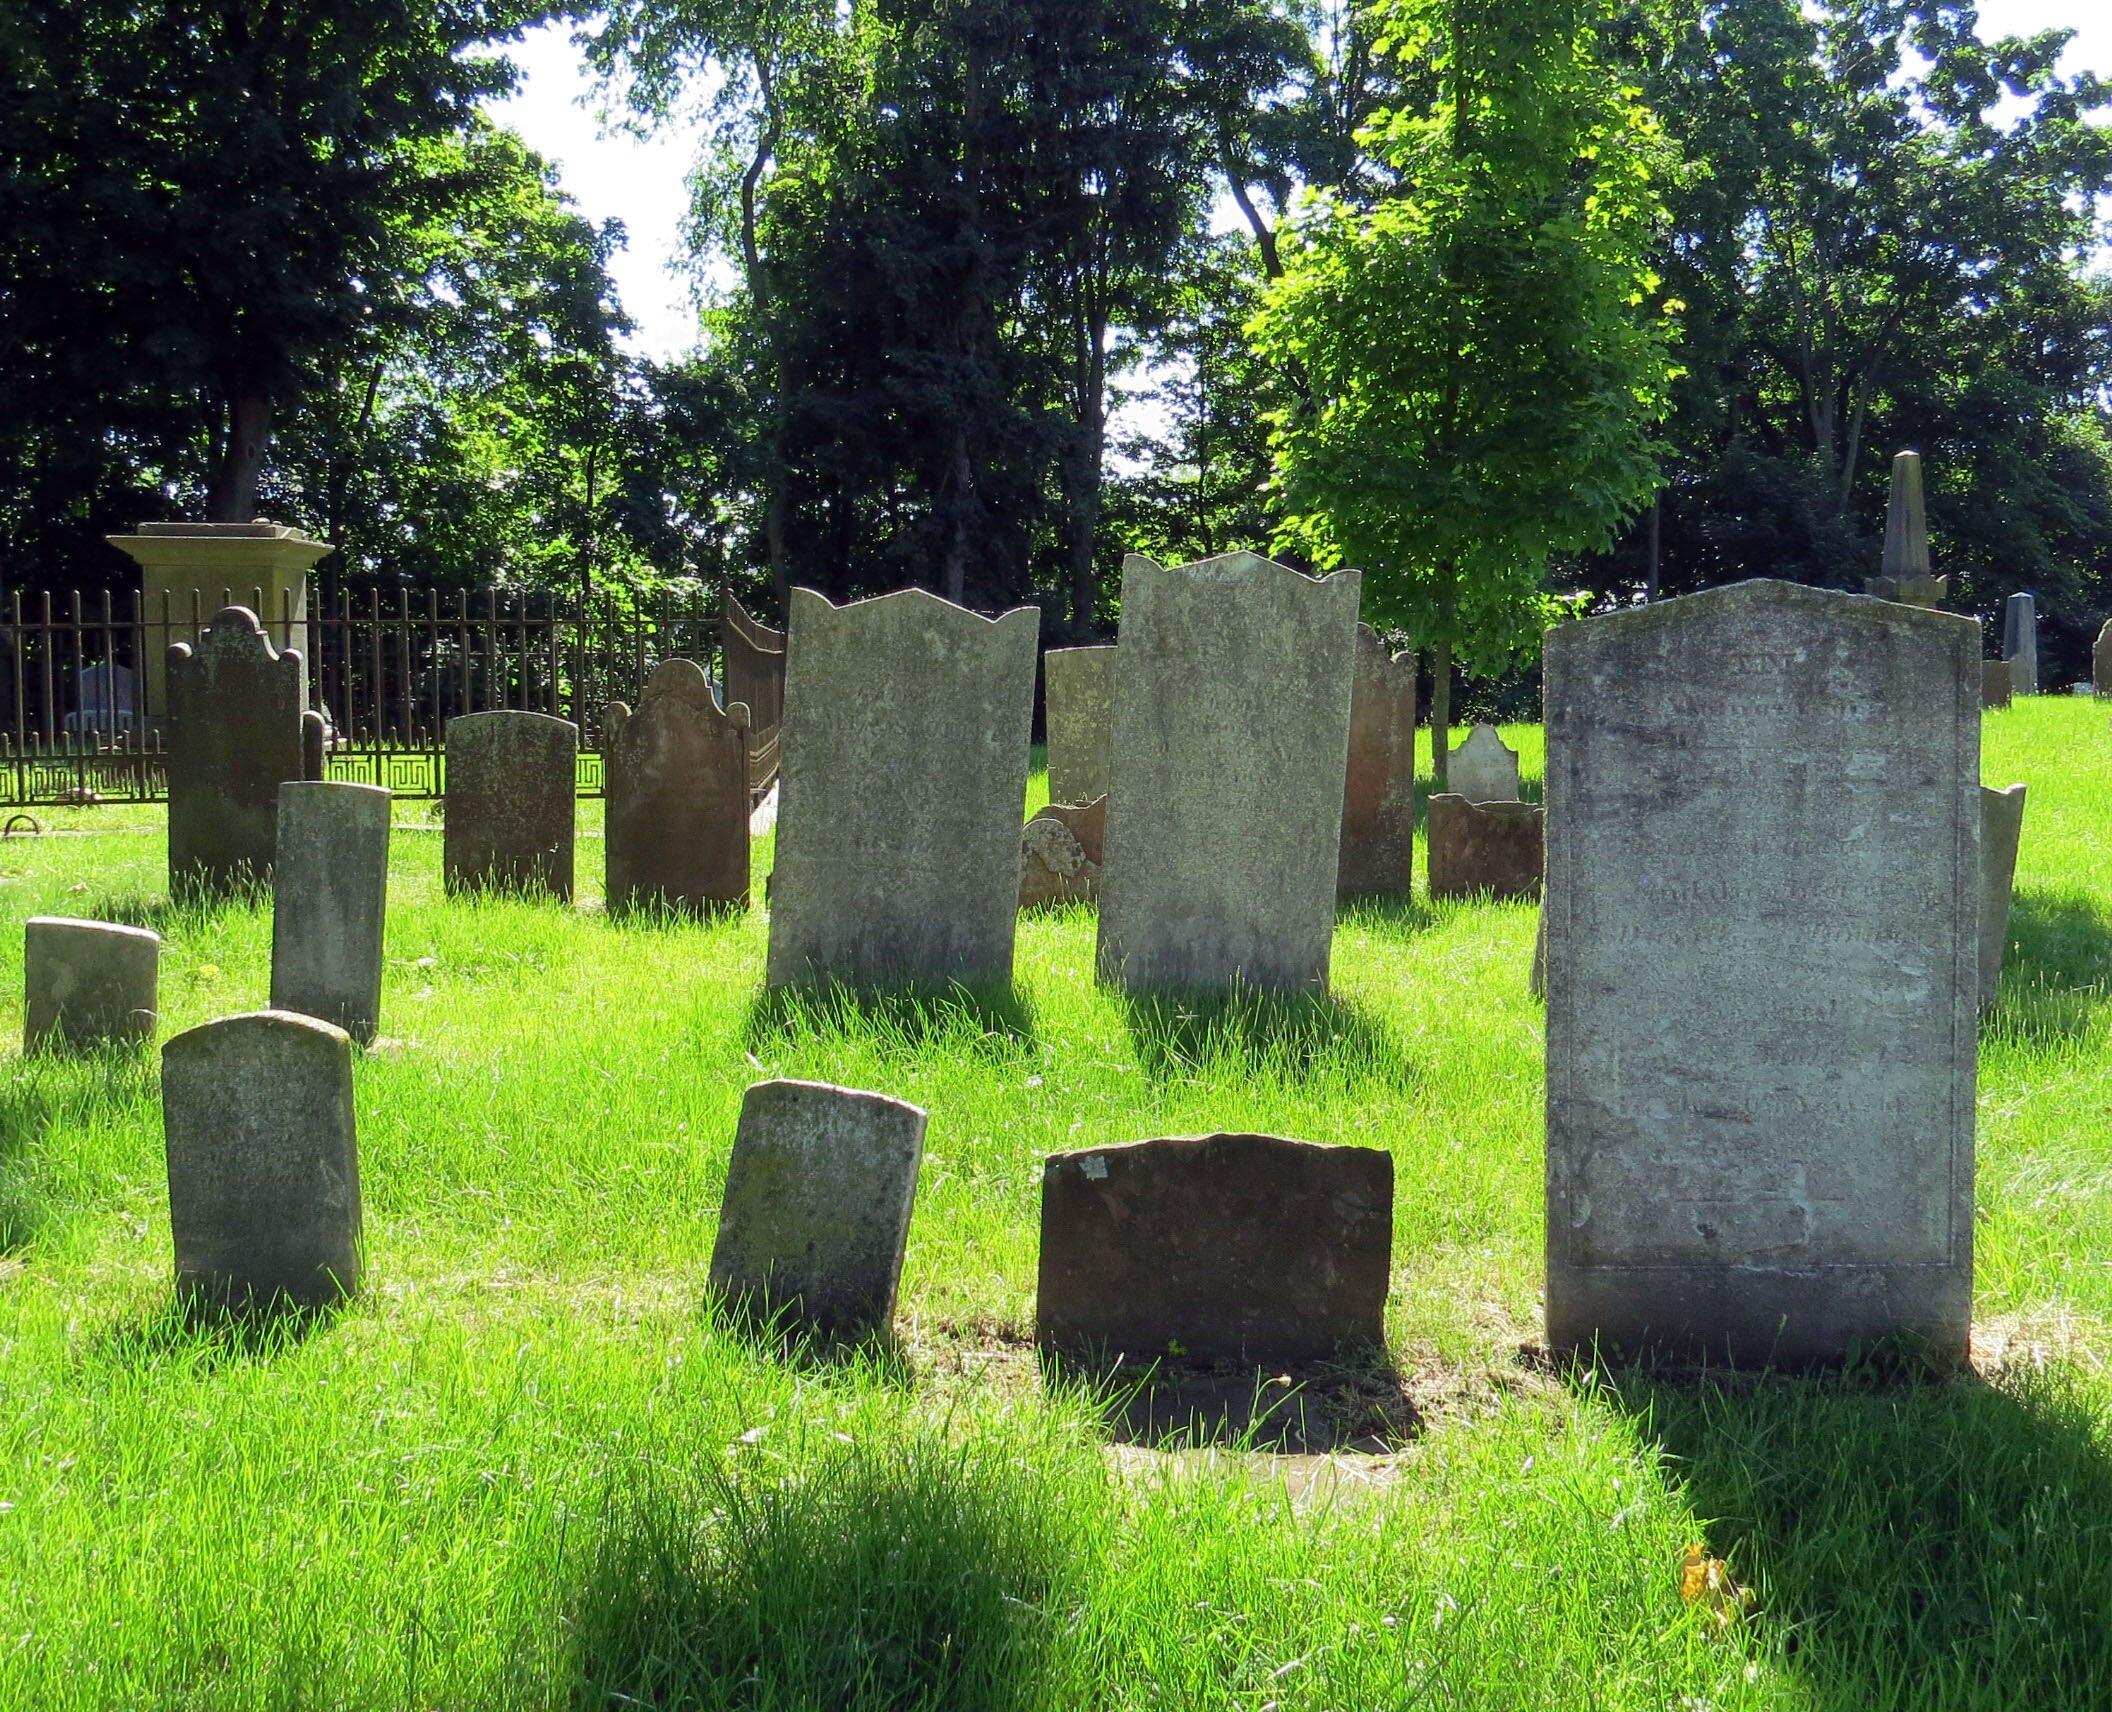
(329, 903)
(2001, 832)
(903, 774)
(1079, 694)
(235, 706)
(510, 784)
(2101, 661)
(1224, 814)
(2020, 641)
(1483, 768)
(755, 666)
(677, 778)
(87, 983)
(1378, 795)
(1907, 575)
(1762, 915)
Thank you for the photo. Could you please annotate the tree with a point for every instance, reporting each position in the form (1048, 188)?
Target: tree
(1483, 349)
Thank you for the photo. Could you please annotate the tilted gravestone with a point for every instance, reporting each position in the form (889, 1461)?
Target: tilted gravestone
(263, 1161)
(329, 903)
(235, 707)
(510, 783)
(1998, 682)
(1483, 768)
(2101, 661)
(1907, 575)
(903, 773)
(1079, 698)
(2020, 641)
(819, 1192)
(1378, 793)
(1224, 814)
(87, 983)
(755, 666)
(1060, 854)
(1491, 850)
(676, 773)
(1763, 890)
(1220, 1247)
(2001, 831)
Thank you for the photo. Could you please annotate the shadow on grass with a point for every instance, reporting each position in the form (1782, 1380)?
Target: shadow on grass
(1399, 914)
(774, 1334)
(1290, 1033)
(206, 1339)
(2056, 968)
(991, 1023)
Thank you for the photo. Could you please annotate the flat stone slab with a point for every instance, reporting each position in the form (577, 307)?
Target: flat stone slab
(1483, 768)
(1378, 794)
(676, 775)
(1491, 849)
(1998, 682)
(1078, 696)
(818, 1198)
(1248, 1248)
(329, 905)
(2001, 832)
(87, 983)
(235, 706)
(511, 778)
(1060, 854)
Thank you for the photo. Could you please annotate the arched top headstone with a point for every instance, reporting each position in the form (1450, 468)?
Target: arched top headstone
(1484, 768)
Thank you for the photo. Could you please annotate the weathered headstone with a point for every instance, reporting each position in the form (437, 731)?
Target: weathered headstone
(903, 774)
(235, 707)
(329, 902)
(2001, 831)
(1224, 815)
(1491, 849)
(2020, 641)
(676, 773)
(1998, 682)
(315, 746)
(1219, 1247)
(510, 784)
(263, 1161)
(1060, 854)
(87, 983)
(1079, 698)
(1907, 575)
(755, 666)
(1483, 768)
(1762, 910)
(818, 1197)
(2101, 661)
(1378, 795)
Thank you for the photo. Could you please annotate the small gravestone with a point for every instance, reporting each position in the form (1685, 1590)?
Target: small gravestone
(87, 983)
(2020, 641)
(818, 1197)
(1490, 850)
(263, 1162)
(1378, 794)
(677, 782)
(329, 902)
(1907, 575)
(1079, 694)
(1060, 852)
(2101, 662)
(1484, 768)
(2001, 831)
(235, 706)
(755, 666)
(1763, 900)
(1224, 814)
(1998, 682)
(510, 783)
(903, 772)
(315, 746)
(1248, 1248)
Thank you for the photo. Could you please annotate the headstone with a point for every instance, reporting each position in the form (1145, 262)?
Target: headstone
(235, 707)
(329, 902)
(263, 1161)
(1060, 854)
(1224, 815)
(87, 983)
(2001, 831)
(1378, 795)
(1491, 850)
(1762, 908)
(1079, 696)
(2101, 661)
(755, 666)
(315, 746)
(2020, 641)
(510, 783)
(1907, 575)
(1998, 682)
(676, 773)
(818, 1198)
(902, 778)
(1484, 768)
(1248, 1248)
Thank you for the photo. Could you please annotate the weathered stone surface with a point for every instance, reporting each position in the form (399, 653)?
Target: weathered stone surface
(1060, 854)
(87, 983)
(676, 773)
(755, 666)
(1998, 682)
(1762, 912)
(1224, 815)
(1490, 849)
(235, 707)
(1079, 701)
(1378, 795)
(2001, 831)
(2020, 641)
(315, 746)
(2101, 661)
(1907, 574)
(329, 903)
(1219, 1247)
(263, 1161)
(1483, 768)
(510, 783)
(818, 1198)
(904, 773)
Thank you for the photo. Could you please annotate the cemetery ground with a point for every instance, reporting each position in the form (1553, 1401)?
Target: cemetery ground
(530, 1467)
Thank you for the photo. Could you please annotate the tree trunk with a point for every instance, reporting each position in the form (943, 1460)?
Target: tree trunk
(232, 496)
(1440, 713)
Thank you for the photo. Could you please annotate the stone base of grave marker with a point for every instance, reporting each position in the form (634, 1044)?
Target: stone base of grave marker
(1060, 853)
(330, 902)
(87, 983)
(1997, 683)
(2001, 831)
(1908, 590)
(1489, 849)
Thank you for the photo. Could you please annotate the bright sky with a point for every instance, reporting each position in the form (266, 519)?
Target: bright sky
(615, 177)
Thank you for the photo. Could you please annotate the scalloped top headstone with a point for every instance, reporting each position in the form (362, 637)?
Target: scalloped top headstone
(1484, 768)
(677, 779)
(235, 706)
(1378, 796)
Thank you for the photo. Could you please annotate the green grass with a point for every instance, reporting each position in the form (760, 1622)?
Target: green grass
(529, 1468)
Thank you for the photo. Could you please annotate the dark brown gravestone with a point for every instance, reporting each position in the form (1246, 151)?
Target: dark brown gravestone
(1060, 854)
(235, 707)
(1378, 796)
(1998, 682)
(1217, 1247)
(677, 775)
(755, 666)
(1489, 849)
(315, 749)
(510, 782)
